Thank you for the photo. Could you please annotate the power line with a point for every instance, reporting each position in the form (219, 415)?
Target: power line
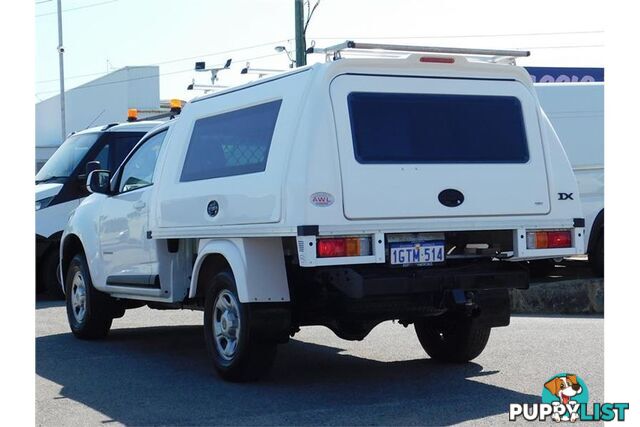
(344, 38)
(77, 8)
(276, 54)
(221, 52)
(461, 36)
(151, 77)
(177, 59)
(564, 47)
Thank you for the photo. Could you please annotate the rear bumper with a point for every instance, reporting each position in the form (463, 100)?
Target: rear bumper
(373, 280)
(373, 293)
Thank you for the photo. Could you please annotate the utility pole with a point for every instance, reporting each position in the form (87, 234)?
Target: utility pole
(63, 123)
(301, 55)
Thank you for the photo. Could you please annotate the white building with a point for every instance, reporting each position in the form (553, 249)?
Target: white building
(98, 102)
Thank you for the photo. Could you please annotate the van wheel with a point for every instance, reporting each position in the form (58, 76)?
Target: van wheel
(49, 276)
(596, 256)
(238, 353)
(452, 339)
(89, 311)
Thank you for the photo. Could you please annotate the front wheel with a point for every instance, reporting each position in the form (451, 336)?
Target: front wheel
(89, 311)
(453, 339)
(238, 352)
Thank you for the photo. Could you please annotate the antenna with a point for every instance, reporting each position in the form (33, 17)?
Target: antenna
(94, 120)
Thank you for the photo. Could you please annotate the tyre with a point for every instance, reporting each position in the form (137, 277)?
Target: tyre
(596, 256)
(89, 311)
(238, 352)
(453, 339)
(49, 281)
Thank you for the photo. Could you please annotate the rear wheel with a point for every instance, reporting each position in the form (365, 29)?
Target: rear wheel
(596, 256)
(237, 351)
(449, 338)
(89, 311)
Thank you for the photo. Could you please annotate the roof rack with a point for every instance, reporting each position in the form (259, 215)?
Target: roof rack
(175, 108)
(334, 52)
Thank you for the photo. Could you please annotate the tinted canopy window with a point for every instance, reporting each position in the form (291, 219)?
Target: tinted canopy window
(430, 128)
(233, 143)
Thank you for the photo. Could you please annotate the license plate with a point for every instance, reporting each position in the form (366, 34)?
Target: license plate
(409, 253)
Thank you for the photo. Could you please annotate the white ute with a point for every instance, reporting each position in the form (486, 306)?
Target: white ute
(341, 194)
(60, 187)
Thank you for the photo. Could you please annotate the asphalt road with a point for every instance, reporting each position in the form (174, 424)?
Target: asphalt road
(153, 370)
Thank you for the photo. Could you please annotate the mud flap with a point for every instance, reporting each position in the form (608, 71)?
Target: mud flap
(270, 321)
(494, 307)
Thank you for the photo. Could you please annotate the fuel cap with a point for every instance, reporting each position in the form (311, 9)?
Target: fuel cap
(451, 197)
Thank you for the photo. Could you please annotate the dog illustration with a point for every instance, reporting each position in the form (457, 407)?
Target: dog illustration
(564, 388)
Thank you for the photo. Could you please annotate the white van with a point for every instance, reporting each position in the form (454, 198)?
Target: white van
(341, 194)
(576, 111)
(60, 186)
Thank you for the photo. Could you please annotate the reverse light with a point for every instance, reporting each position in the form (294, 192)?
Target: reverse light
(549, 239)
(343, 247)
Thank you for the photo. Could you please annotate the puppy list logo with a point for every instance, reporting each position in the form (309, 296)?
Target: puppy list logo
(565, 392)
(565, 397)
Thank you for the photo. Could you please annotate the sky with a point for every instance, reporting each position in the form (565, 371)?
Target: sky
(102, 35)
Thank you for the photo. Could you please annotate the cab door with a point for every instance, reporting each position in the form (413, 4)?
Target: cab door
(123, 223)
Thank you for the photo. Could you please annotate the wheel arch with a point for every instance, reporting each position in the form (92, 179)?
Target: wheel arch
(596, 229)
(264, 281)
(215, 256)
(69, 247)
(211, 264)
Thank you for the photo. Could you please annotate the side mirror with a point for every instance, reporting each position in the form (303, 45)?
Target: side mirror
(89, 167)
(98, 181)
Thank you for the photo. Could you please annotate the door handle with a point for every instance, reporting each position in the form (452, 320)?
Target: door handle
(139, 205)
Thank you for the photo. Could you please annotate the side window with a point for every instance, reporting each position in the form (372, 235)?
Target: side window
(138, 171)
(103, 157)
(234, 143)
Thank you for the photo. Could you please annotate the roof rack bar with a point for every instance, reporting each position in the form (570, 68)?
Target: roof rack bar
(408, 48)
(170, 114)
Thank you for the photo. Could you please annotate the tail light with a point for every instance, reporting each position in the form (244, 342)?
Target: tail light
(343, 247)
(549, 239)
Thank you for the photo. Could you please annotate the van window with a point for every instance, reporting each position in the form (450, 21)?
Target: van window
(434, 128)
(103, 157)
(121, 146)
(67, 157)
(234, 143)
(114, 152)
